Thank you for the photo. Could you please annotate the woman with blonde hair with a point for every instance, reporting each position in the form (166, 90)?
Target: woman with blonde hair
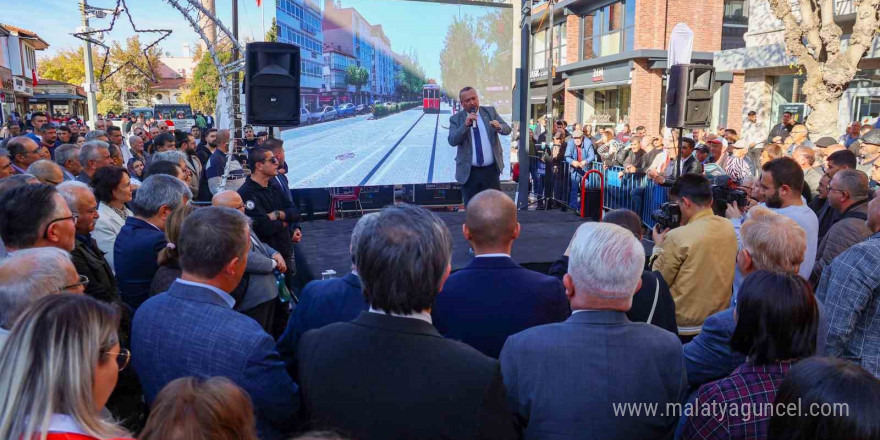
(57, 370)
(191, 408)
(169, 269)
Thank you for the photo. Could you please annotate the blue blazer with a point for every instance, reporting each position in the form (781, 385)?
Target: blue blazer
(587, 153)
(563, 379)
(492, 298)
(321, 303)
(134, 256)
(709, 357)
(191, 331)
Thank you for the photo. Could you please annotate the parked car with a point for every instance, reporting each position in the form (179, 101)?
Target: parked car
(345, 110)
(305, 118)
(326, 114)
(361, 109)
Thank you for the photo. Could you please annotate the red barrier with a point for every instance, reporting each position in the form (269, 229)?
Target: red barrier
(584, 193)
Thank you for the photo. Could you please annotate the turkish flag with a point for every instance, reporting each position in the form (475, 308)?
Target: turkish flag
(259, 3)
(34, 76)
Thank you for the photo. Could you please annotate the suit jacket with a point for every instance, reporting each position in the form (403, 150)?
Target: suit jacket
(135, 252)
(384, 377)
(89, 261)
(563, 379)
(492, 298)
(689, 166)
(106, 229)
(321, 303)
(194, 165)
(460, 136)
(191, 331)
(587, 153)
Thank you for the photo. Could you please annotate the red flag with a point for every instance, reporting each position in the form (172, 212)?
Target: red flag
(34, 75)
(259, 3)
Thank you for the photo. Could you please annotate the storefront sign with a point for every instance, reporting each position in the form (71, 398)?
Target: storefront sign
(598, 74)
(6, 84)
(600, 119)
(538, 74)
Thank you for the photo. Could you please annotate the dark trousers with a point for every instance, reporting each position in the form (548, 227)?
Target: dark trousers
(264, 314)
(481, 178)
(575, 189)
(537, 169)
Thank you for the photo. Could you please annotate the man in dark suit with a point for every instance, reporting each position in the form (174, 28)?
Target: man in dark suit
(564, 379)
(192, 330)
(493, 297)
(324, 302)
(389, 374)
(142, 237)
(474, 132)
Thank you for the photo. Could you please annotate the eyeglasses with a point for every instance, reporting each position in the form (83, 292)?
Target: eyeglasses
(122, 358)
(73, 217)
(272, 159)
(835, 189)
(83, 281)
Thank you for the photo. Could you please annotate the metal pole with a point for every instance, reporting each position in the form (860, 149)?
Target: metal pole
(552, 6)
(523, 97)
(236, 86)
(90, 85)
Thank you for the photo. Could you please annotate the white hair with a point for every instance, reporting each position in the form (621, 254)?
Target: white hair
(606, 261)
(71, 191)
(28, 275)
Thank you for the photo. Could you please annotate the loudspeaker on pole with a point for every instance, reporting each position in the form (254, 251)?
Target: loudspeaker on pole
(272, 91)
(689, 96)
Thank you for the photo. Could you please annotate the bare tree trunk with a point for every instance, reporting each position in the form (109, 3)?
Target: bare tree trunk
(813, 38)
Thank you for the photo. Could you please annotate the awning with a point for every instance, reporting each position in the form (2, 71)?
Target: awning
(603, 85)
(539, 94)
(57, 97)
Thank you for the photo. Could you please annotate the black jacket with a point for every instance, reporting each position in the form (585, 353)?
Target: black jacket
(203, 153)
(259, 201)
(89, 261)
(383, 377)
(653, 285)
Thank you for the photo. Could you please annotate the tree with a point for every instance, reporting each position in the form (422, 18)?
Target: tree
(201, 91)
(462, 61)
(132, 70)
(67, 65)
(356, 76)
(272, 33)
(411, 77)
(812, 36)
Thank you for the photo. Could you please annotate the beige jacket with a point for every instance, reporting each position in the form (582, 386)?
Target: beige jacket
(697, 260)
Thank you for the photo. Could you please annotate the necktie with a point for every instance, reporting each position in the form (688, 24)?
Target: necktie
(580, 158)
(478, 144)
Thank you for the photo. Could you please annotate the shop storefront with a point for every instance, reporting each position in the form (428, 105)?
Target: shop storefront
(7, 93)
(538, 94)
(603, 95)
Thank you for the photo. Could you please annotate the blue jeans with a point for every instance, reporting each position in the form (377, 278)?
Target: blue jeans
(575, 191)
(537, 170)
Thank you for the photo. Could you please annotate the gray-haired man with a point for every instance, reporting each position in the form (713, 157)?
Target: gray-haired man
(568, 391)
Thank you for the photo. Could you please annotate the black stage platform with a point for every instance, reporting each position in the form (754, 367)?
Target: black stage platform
(543, 239)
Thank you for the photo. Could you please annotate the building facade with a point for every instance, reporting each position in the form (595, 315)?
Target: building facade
(300, 23)
(609, 58)
(765, 82)
(383, 70)
(57, 98)
(336, 89)
(18, 49)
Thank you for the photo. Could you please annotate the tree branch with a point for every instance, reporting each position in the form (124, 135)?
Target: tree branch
(830, 31)
(794, 34)
(810, 27)
(863, 31)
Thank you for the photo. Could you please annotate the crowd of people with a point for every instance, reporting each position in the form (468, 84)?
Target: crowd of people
(164, 296)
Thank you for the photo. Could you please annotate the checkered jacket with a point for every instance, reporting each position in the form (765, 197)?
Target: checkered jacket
(749, 388)
(850, 290)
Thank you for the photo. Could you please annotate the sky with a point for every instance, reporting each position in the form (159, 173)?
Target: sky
(408, 24)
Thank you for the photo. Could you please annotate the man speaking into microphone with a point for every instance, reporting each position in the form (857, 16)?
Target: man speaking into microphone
(474, 131)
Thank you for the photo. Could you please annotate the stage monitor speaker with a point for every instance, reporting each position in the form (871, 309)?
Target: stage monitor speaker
(376, 197)
(272, 84)
(689, 96)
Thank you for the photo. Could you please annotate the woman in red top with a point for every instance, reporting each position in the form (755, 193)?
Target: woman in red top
(57, 370)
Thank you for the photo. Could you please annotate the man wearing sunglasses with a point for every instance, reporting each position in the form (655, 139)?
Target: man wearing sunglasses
(274, 216)
(33, 216)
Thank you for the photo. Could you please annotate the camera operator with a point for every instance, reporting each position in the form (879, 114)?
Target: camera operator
(698, 258)
(780, 187)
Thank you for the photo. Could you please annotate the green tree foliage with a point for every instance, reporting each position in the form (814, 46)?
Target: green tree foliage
(272, 33)
(201, 92)
(462, 60)
(357, 76)
(66, 65)
(411, 78)
(130, 79)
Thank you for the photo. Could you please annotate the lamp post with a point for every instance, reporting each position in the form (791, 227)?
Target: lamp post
(90, 86)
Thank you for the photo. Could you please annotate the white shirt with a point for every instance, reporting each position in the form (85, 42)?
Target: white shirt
(488, 156)
(223, 295)
(424, 316)
(587, 310)
(492, 256)
(65, 423)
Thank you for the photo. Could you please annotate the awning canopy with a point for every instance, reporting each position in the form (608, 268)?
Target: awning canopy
(56, 97)
(539, 94)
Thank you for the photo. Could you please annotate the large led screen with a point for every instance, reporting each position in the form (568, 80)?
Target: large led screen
(380, 80)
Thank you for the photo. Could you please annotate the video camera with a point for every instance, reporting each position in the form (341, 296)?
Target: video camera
(728, 195)
(668, 216)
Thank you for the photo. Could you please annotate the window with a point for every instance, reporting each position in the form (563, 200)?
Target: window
(735, 23)
(541, 45)
(609, 30)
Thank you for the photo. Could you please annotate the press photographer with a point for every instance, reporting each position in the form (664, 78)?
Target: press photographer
(698, 258)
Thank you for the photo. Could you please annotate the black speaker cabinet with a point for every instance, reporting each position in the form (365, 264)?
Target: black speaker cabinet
(272, 94)
(689, 96)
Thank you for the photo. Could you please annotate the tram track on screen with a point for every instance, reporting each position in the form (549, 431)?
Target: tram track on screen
(391, 150)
